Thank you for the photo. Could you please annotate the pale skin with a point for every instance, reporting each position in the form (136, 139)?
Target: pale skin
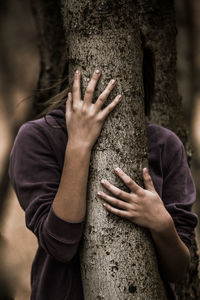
(141, 206)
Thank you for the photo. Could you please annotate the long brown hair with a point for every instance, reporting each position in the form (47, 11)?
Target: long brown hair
(56, 100)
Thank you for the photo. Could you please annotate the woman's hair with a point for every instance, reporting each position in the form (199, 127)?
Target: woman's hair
(54, 102)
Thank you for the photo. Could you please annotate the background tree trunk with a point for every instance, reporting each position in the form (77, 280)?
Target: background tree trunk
(117, 257)
(51, 44)
(158, 26)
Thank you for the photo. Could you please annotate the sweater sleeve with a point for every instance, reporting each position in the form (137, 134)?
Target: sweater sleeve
(35, 176)
(179, 191)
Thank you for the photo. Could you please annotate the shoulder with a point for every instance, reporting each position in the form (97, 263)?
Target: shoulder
(165, 148)
(42, 137)
(49, 129)
(163, 137)
(30, 133)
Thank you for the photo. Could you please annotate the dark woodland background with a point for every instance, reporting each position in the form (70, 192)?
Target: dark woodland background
(19, 71)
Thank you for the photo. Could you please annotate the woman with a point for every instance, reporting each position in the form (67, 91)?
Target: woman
(49, 172)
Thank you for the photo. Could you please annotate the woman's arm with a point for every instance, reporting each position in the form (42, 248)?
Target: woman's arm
(145, 208)
(84, 121)
(173, 254)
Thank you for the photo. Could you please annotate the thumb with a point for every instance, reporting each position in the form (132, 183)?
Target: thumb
(148, 183)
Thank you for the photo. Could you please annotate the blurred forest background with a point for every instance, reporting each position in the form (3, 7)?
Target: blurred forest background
(19, 71)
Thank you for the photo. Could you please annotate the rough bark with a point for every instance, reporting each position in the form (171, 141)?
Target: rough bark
(158, 26)
(117, 258)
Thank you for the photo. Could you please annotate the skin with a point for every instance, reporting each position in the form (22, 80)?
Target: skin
(84, 121)
(142, 206)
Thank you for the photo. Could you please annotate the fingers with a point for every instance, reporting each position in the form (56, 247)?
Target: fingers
(113, 201)
(148, 183)
(76, 89)
(116, 211)
(104, 95)
(116, 191)
(91, 87)
(69, 104)
(130, 183)
(105, 112)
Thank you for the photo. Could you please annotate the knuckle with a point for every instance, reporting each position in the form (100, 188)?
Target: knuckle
(89, 90)
(141, 192)
(129, 197)
(109, 207)
(91, 113)
(118, 193)
(117, 203)
(107, 92)
(129, 181)
(101, 98)
(75, 108)
(100, 118)
(110, 107)
(109, 88)
(84, 110)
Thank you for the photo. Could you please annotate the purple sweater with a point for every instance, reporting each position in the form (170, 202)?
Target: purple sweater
(36, 162)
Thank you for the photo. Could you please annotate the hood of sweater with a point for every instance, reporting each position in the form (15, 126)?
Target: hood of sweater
(56, 117)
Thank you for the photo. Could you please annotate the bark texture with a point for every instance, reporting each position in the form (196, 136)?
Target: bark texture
(117, 258)
(158, 26)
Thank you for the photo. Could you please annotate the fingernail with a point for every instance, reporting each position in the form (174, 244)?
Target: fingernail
(117, 169)
(112, 81)
(97, 71)
(77, 72)
(145, 170)
(103, 181)
(119, 96)
(99, 193)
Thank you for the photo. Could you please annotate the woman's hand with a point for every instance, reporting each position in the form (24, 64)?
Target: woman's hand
(141, 206)
(85, 119)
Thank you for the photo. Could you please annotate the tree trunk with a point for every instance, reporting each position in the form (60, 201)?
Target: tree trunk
(117, 258)
(158, 26)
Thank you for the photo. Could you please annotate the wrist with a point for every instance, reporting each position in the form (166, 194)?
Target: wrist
(81, 147)
(164, 224)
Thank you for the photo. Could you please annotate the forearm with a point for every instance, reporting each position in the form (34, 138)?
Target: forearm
(173, 254)
(70, 201)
